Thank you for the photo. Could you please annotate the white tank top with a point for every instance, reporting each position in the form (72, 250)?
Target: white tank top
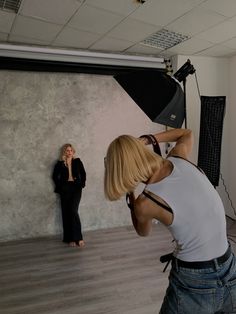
(199, 224)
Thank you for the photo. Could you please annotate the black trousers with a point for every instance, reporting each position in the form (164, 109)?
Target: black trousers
(70, 199)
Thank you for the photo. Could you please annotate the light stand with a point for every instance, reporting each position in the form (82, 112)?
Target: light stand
(181, 76)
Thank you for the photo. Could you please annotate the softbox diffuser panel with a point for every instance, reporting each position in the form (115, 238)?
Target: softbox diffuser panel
(210, 137)
(159, 96)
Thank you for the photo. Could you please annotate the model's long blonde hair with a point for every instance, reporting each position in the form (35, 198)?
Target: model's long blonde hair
(128, 162)
(63, 151)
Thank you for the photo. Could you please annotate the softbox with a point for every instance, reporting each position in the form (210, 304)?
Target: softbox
(210, 137)
(159, 95)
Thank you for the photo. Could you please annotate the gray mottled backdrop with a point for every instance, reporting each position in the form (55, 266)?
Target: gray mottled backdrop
(39, 112)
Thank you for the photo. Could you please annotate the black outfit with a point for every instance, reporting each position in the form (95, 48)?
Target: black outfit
(70, 193)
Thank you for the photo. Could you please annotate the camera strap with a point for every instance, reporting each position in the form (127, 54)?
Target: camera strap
(152, 140)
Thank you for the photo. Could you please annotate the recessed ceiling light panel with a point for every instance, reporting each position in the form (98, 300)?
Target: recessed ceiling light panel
(10, 5)
(164, 39)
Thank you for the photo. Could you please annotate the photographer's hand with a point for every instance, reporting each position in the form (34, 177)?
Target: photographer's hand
(144, 140)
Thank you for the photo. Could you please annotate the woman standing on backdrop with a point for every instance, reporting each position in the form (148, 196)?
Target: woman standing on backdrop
(69, 177)
(178, 194)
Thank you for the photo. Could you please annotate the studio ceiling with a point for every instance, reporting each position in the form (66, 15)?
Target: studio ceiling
(209, 26)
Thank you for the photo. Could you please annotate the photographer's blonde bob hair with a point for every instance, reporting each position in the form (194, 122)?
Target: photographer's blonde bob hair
(128, 162)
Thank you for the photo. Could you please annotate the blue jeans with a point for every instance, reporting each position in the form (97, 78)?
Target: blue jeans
(201, 291)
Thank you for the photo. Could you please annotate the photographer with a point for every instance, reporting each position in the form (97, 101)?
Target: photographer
(178, 194)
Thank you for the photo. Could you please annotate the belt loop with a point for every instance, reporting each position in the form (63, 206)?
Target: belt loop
(176, 264)
(216, 264)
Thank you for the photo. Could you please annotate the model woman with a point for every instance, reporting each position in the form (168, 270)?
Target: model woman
(178, 194)
(69, 177)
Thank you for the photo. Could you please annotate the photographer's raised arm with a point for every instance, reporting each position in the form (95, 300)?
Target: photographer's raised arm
(183, 139)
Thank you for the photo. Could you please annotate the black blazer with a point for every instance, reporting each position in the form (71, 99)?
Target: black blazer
(60, 174)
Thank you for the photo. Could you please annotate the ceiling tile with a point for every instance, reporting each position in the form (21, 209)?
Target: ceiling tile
(226, 7)
(33, 28)
(70, 37)
(6, 20)
(191, 46)
(3, 36)
(54, 11)
(122, 7)
(111, 25)
(111, 44)
(94, 20)
(194, 3)
(192, 18)
(232, 20)
(162, 12)
(139, 48)
(132, 30)
(230, 43)
(219, 33)
(217, 51)
(166, 54)
(25, 40)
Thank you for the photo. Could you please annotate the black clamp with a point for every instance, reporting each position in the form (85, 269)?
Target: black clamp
(167, 258)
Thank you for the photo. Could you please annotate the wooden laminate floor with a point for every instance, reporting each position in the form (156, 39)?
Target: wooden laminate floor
(116, 273)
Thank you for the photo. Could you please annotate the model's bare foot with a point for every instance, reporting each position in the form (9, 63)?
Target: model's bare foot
(72, 244)
(81, 243)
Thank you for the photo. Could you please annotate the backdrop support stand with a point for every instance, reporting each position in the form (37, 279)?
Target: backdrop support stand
(185, 103)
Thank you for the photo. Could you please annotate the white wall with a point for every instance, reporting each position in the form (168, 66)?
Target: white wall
(231, 179)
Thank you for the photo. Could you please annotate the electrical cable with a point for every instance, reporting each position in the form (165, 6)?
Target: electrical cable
(227, 193)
